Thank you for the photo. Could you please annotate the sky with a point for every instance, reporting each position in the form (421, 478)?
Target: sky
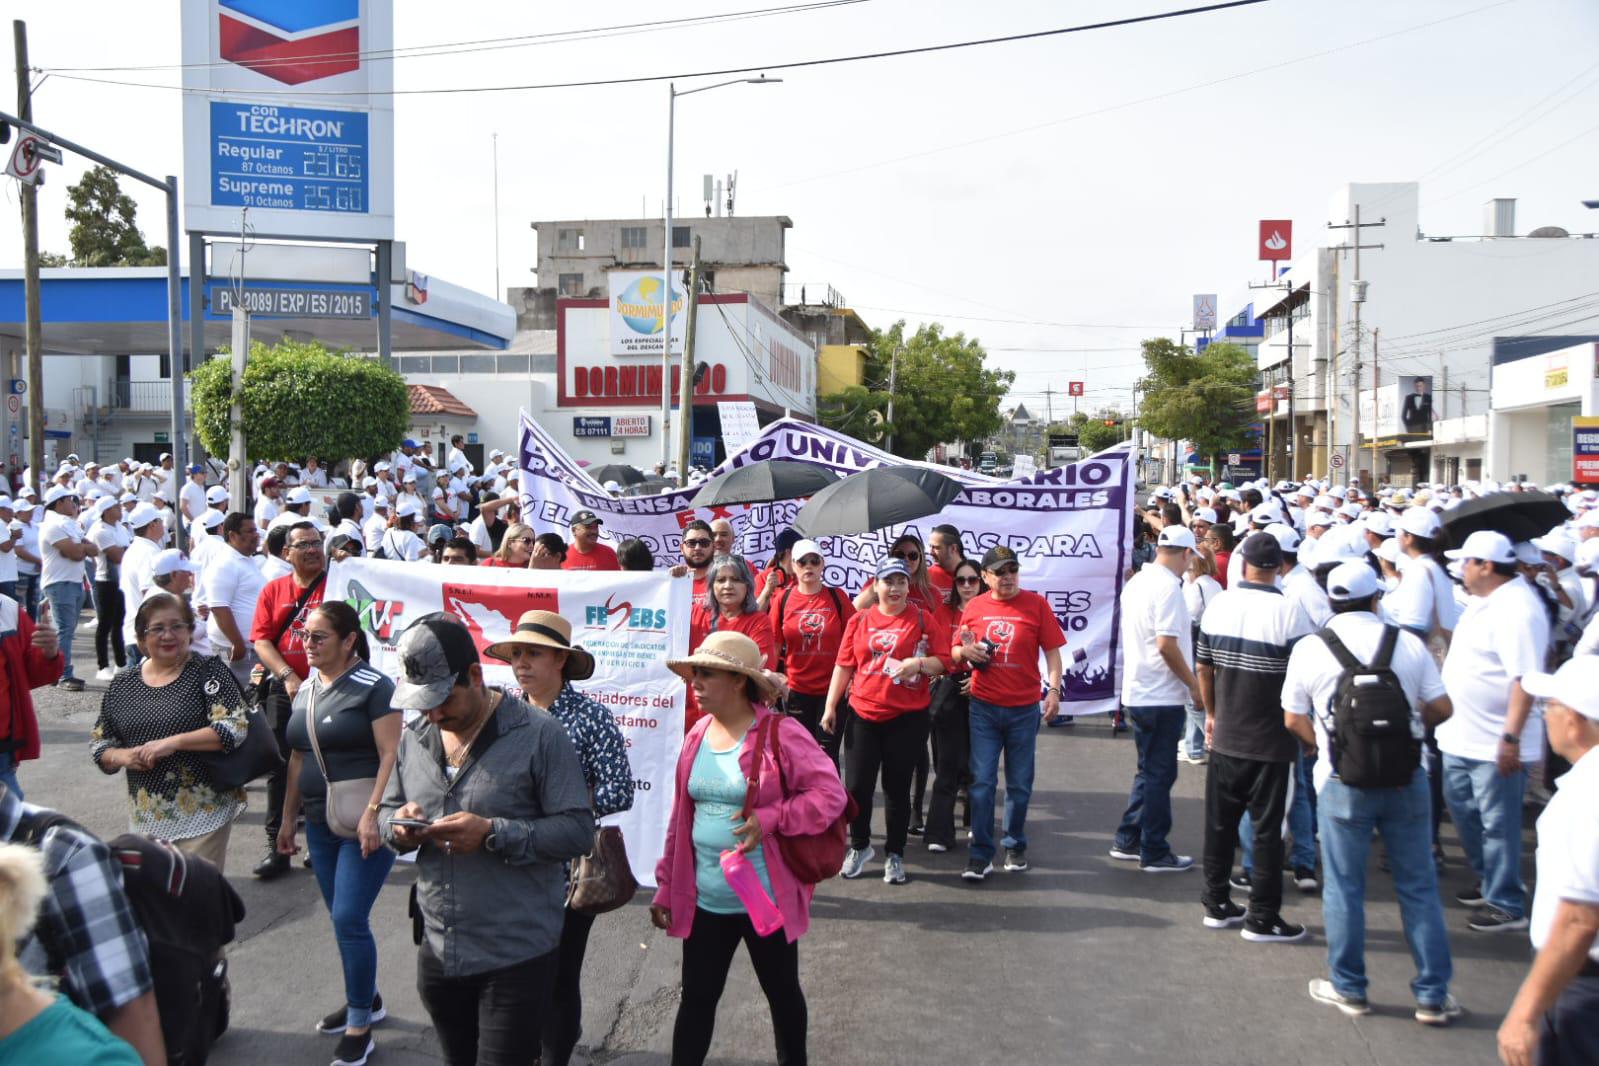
(1059, 199)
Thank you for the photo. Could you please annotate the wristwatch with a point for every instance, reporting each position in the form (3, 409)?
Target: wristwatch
(1509, 738)
(491, 843)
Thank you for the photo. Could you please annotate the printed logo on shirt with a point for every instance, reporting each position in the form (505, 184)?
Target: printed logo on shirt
(1001, 631)
(882, 644)
(812, 624)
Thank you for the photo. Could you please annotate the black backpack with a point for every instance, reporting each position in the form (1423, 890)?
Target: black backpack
(188, 912)
(1372, 746)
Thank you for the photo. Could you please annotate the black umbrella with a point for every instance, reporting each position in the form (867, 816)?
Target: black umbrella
(1518, 515)
(775, 479)
(873, 499)
(620, 473)
(649, 486)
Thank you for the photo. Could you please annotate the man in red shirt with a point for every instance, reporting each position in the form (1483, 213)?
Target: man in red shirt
(697, 548)
(279, 619)
(945, 554)
(586, 552)
(1001, 633)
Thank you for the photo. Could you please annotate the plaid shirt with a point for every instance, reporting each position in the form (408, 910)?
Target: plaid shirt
(106, 960)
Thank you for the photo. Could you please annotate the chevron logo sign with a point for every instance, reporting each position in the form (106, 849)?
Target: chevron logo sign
(291, 41)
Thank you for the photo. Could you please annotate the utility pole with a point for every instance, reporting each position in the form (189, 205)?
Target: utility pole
(893, 380)
(685, 410)
(30, 272)
(1376, 373)
(1357, 298)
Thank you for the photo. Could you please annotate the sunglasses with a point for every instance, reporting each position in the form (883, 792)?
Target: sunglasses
(1006, 571)
(315, 638)
(909, 557)
(697, 542)
(968, 581)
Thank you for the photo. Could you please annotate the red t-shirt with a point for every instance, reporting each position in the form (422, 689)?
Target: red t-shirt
(783, 580)
(753, 624)
(1222, 559)
(1021, 626)
(494, 560)
(872, 641)
(811, 630)
(272, 610)
(940, 579)
(603, 557)
(700, 586)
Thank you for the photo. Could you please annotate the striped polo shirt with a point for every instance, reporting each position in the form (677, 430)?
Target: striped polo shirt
(1245, 637)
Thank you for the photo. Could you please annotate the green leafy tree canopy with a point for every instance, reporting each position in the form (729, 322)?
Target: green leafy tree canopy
(1092, 433)
(944, 392)
(105, 230)
(855, 411)
(298, 399)
(1207, 398)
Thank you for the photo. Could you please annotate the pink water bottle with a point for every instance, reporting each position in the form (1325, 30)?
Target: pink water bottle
(746, 885)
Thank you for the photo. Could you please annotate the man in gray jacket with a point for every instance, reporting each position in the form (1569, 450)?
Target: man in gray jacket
(492, 793)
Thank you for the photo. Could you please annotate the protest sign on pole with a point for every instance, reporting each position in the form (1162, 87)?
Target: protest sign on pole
(630, 622)
(1071, 526)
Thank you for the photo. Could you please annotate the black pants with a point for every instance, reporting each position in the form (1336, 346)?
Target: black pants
(707, 954)
(278, 709)
(1570, 1034)
(808, 709)
(487, 1019)
(109, 613)
(952, 742)
(919, 781)
(564, 1024)
(1233, 786)
(891, 746)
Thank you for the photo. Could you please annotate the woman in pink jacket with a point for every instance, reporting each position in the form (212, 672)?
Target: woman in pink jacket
(799, 795)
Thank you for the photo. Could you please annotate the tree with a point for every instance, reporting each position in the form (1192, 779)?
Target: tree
(1207, 399)
(1093, 435)
(298, 399)
(855, 411)
(943, 391)
(105, 231)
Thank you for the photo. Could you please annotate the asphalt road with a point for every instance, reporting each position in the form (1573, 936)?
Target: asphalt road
(1079, 960)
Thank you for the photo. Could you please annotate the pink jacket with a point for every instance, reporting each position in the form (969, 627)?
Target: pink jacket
(815, 797)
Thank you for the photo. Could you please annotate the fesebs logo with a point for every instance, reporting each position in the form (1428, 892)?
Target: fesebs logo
(292, 41)
(596, 616)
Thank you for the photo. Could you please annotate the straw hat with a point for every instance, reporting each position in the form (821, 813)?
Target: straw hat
(733, 652)
(546, 629)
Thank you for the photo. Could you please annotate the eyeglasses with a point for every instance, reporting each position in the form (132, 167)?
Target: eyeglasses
(968, 581)
(1006, 571)
(305, 545)
(313, 638)
(168, 631)
(697, 542)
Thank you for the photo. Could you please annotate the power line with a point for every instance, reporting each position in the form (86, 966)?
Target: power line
(1011, 321)
(646, 78)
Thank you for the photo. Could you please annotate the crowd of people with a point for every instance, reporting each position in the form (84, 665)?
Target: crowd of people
(1335, 664)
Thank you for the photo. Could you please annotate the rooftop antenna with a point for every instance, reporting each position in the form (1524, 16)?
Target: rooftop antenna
(732, 180)
(710, 194)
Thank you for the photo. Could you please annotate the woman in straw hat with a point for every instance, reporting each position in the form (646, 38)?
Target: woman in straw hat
(729, 605)
(798, 794)
(546, 662)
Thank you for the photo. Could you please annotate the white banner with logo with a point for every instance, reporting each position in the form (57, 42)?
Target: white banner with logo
(1071, 527)
(630, 622)
(637, 299)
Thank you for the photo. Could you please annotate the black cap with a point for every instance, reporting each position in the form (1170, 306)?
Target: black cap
(585, 518)
(1262, 550)
(999, 556)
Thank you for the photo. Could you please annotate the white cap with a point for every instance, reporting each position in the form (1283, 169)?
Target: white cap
(1205, 514)
(1351, 510)
(56, 493)
(1487, 545)
(104, 504)
(1576, 684)
(298, 495)
(1588, 554)
(380, 502)
(216, 494)
(213, 519)
(408, 509)
(170, 562)
(380, 467)
(1287, 539)
(369, 483)
(1557, 542)
(1176, 537)
(142, 515)
(1265, 514)
(1589, 519)
(1318, 518)
(1420, 522)
(1388, 551)
(1379, 523)
(1351, 581)
(802, 548)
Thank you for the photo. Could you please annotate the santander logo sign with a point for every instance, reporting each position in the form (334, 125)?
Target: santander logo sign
(1276, 239)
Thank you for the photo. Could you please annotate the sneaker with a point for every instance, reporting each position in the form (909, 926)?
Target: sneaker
(1471, 897)
(1015, 860)
(72, 684)
(106, 673)
(1439, 1013)
(1223, 916)
(977, 870)
(1194, 760)
(1322, 991)
(936, 848)
(1493, 920)
(1124, 854)
(354, 1050)
(894, 870)
(1061, 721)
(917, 828)
(273, 866)
(1169, 863)
(855, 861)
(1276, 931)
(334, 1022)
(1240, 881)
(1305, 879)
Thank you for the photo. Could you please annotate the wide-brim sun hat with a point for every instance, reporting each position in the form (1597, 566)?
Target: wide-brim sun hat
(733, 652)
(546, 629)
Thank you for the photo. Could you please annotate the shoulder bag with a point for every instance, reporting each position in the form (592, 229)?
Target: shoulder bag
(810, 857)
(603, 879)
(263, 688)
(255, 756)
(346, 800)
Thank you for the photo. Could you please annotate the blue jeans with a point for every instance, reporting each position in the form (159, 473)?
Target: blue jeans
(8, 775)
(350, 886)
(66, 603)
(1301, 823)
(28, 594)
(1147, 820)
(1013, 730)
(1194, 731)
(1404, 818)
(1486, 808)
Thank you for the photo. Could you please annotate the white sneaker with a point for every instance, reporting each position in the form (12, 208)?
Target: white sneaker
(937, 849)
(855, 861)
(894, 870)
(1322, 991)
(106, 673)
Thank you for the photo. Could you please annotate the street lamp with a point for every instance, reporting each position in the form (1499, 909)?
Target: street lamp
(666, 263)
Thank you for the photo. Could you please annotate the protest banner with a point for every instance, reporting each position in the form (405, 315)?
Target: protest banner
(1071, 526)
(630, 622)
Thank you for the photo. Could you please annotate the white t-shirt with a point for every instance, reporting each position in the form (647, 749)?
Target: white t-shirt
(368, 505)
(135, 580)
(272, 567)
(1313, 673)
(234, 582)
(317, 478)
(402, 544)
(57, 567)
(26, 537)
(1425, 593)
(203, 552)
(266, 509)
(9, 538)
(349, 527)
(478, 534)
(372, 531)
(191, 500)
(106, 536)
(1300, 586)
(1568, 849)
(1500, 638)
(1197, 594)
(1153, 606)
